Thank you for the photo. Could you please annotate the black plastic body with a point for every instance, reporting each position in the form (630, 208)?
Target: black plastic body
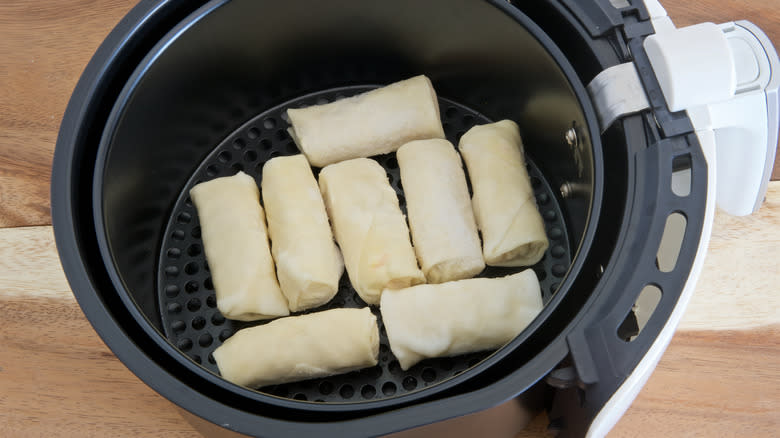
(655, 141)
(629, 214)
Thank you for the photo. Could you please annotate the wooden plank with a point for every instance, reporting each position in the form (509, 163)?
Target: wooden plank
(45, 45)
(57, 377)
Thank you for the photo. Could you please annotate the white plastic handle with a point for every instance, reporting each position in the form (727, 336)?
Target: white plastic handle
(723, 77)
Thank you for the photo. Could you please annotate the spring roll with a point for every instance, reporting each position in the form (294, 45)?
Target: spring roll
(440, 216)
(372, 123)
(369, 227)
(300, 347)
(236, 246)
(435, 320)
(504, 203)
(308, 263)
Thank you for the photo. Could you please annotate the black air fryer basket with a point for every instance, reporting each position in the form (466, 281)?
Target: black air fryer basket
(183, 92)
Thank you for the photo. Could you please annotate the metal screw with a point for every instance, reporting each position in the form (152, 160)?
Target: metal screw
(571, 137)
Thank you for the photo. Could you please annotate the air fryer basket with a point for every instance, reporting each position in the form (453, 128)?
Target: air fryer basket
(186, 295)
(207, 99)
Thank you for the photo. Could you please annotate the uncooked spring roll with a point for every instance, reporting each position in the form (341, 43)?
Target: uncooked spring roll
(447, 319)
(504, 203)
(300, 347)
(440, 216)
(308, 263)
(372, 123)
(369, 227)
(236, 246)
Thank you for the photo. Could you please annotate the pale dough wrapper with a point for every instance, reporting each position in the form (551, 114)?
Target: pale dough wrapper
(300, 347)
(441, 220)
(236, 246)
(372, 123)
(308, 263)
(369, 227)
(504, 203)
(448, 319)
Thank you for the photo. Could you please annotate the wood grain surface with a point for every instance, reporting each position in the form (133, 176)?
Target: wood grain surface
(719, 377)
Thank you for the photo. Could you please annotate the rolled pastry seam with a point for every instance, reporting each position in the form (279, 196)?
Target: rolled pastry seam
(300, 347)
(372, 123)
(504, 203)
(441, 219)
(447, 319)
(236, 246)
(369, 227)
(308, 263)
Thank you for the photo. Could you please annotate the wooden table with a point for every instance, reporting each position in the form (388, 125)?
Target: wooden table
(719, 377)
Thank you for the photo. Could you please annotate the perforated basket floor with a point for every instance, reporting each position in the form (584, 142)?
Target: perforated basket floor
(188, 305)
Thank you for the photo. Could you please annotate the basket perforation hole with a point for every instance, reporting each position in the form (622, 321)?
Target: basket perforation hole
(173, 253)
(191, 268)
(208, 284)
(174, 308)
(217, 319)
(224, 334)
(253, 133)
(171, 271)
(266, 144)
(326, 387)
(195, 233)
(171, 291)
(389, 388)
(211, 301)
(224, 157)
(211, 359)
(250, 156)
(409, 383)
(300, 396)
(193, 305)
(237, 167)
(368, 391)
(194, 250)
(347, 391)
(178, 326)
(178, 235)
(239, 144)
(184, 218)
(198, 323)
(269, 123)
(205, 339)
(191, 286)
(212, 171)
(184, 344)
(428, 374)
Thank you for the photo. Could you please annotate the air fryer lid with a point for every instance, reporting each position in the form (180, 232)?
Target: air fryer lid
(230, 61)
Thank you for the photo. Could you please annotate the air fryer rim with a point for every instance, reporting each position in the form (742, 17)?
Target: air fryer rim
(112, 321)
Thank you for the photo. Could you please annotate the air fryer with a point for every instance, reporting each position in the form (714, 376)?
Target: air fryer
(183, 92)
